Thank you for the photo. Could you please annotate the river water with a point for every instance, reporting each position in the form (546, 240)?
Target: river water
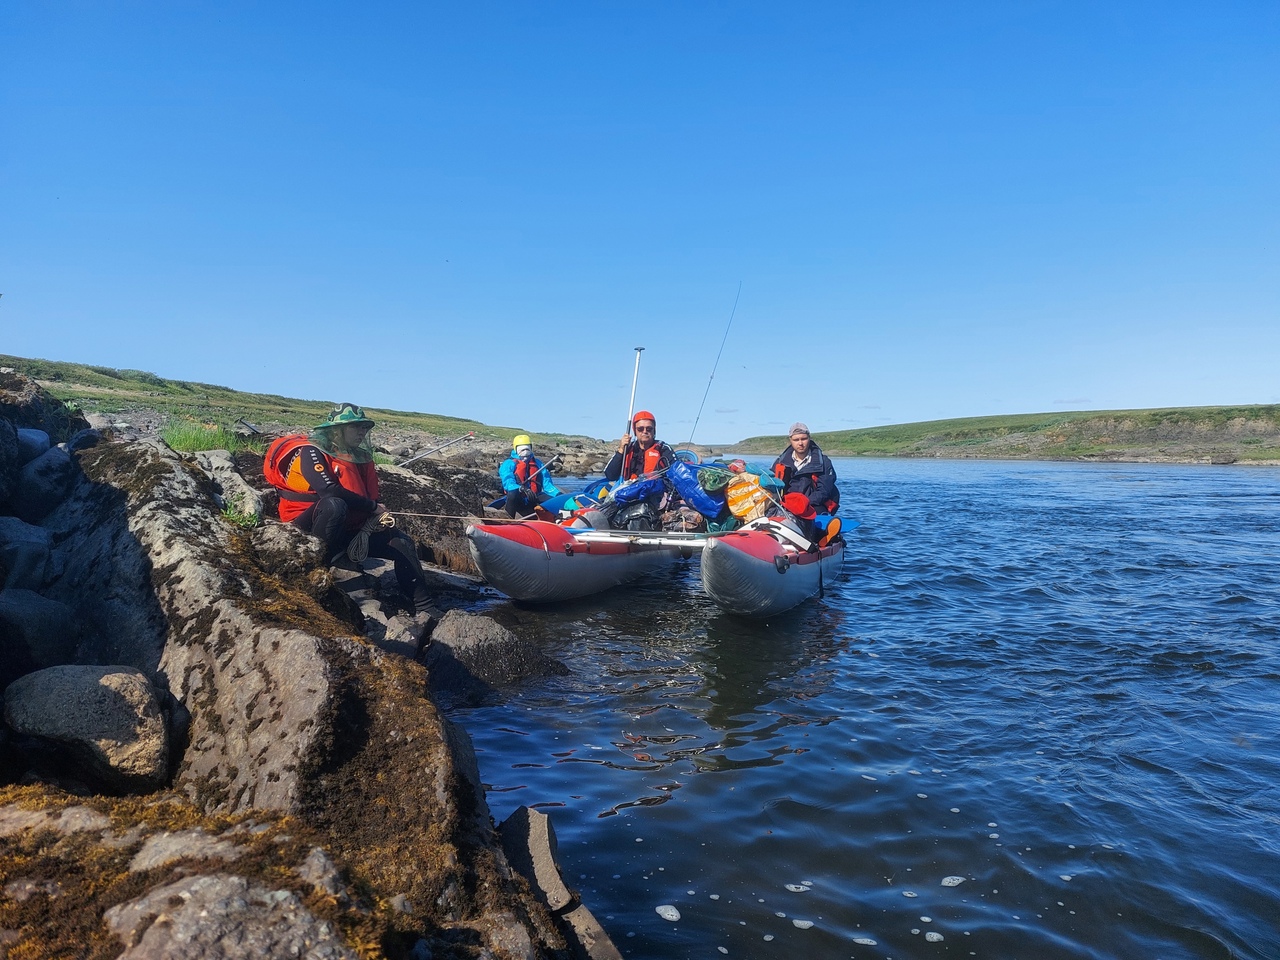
(1037, 717)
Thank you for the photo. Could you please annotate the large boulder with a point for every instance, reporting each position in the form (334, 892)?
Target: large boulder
(10, 463)
(31, 443)
(43, 484)
(25, 554)
(35, 632)
(470, 653)
(107, 716)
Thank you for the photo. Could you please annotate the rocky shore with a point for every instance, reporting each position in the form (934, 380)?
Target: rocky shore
(215, 745)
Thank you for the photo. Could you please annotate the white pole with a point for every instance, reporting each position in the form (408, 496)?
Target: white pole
(634, 377)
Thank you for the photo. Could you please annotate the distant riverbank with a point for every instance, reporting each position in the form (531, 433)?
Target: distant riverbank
(1221, 435)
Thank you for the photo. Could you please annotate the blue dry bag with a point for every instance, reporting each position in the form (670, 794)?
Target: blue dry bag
(685, 479)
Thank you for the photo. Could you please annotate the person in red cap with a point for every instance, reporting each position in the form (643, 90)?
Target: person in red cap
(645, 454)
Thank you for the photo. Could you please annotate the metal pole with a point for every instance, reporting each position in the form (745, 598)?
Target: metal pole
(634, 377)
(435, 449)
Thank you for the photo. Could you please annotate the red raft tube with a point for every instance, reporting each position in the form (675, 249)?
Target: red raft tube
(540, 562)
(767, 569)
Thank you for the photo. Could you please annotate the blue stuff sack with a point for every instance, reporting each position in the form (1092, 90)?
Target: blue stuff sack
(637, 490)
(685, 479)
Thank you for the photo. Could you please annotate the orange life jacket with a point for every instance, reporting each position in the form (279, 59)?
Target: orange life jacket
(652, 461)
(282, 468)
(525, 470)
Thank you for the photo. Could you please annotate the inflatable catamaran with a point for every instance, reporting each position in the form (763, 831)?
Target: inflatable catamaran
(762, 568)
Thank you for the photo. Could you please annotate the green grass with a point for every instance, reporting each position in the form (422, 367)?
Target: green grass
(191, 437)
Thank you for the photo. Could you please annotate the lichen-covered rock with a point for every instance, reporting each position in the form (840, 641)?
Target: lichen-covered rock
(168, 847)
(223, 916)
(108, 716)
(289, 710)
(35, 632)
(25, 554)
(231, 491)
(42, 485)
(289, 551)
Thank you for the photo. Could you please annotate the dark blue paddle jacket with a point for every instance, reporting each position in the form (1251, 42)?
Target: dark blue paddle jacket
(816, 479)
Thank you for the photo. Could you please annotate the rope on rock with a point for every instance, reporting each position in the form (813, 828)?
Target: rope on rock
(358, 548)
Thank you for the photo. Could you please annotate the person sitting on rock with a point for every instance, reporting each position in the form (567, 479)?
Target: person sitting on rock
(644, 455)
(525, 479)
(330, 490)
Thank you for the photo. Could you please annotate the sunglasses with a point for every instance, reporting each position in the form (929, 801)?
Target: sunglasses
(640, 429)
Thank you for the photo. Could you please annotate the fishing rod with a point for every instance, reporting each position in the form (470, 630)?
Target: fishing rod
(469, 436)
(723, 340)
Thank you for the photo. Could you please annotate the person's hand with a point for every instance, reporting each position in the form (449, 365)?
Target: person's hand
(622, 444)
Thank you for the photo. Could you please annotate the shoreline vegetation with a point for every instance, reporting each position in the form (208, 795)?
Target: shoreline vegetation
(1243, 434)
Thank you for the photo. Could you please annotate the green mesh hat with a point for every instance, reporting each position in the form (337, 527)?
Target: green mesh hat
(344, 414)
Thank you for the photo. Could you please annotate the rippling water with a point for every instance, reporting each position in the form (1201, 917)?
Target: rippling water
(1036, 718)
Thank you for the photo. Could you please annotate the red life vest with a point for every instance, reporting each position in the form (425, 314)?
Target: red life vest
(282, 467)
(525, 470)
(652, 461)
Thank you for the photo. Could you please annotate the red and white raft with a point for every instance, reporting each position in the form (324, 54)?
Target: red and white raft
(766, 568)
(539, 562)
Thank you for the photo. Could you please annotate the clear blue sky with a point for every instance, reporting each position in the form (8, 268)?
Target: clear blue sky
(479, 209)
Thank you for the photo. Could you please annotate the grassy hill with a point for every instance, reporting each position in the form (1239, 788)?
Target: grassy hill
(107, 390)
(1202, 434)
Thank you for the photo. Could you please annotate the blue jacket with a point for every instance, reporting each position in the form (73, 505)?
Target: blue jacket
(507, 472)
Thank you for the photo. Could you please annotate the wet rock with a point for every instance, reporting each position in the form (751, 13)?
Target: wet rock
(25, 553)
(35, 632)
(224, 916)
(108, 716)
(486, 651)
(31, 444)
(529, 841)
(530, 844)
(43, 484)
(232, 491)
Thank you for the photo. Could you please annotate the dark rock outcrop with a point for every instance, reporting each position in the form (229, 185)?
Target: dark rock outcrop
(315, 793)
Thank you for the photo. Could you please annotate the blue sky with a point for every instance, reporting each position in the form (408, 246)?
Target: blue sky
(480, 209)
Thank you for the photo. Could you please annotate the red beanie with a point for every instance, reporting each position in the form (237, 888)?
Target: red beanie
(643, 415)
(799, 504)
